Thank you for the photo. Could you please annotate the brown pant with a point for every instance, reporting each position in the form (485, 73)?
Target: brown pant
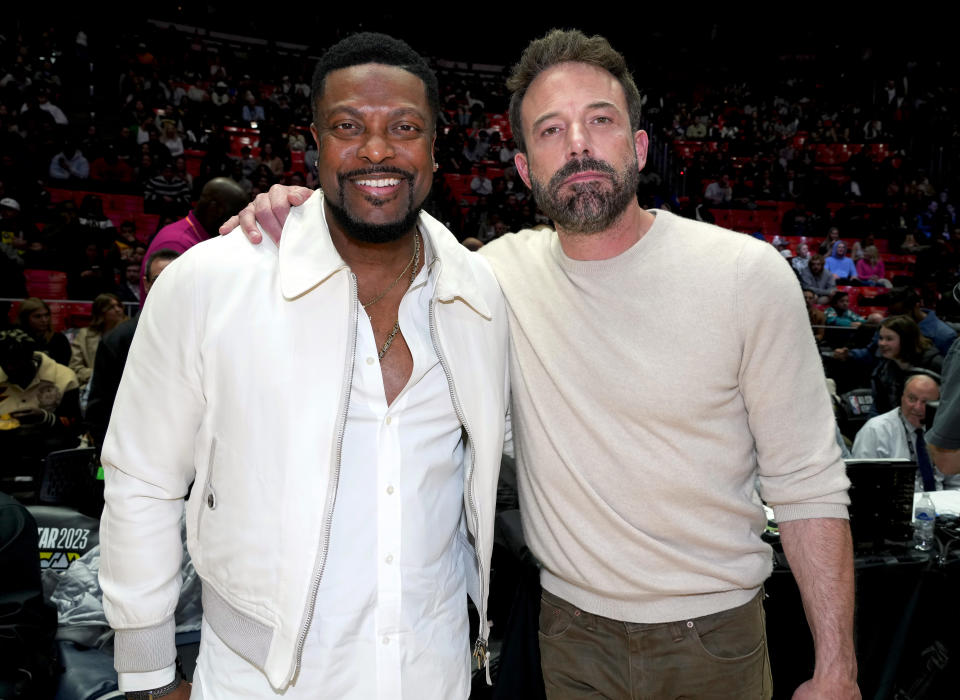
(717, 657)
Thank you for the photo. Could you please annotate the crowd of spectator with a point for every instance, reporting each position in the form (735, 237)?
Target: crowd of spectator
(157, 113)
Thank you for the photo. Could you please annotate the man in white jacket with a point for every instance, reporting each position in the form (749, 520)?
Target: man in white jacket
(338, 405)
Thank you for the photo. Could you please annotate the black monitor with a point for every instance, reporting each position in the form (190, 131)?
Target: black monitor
(881, 502)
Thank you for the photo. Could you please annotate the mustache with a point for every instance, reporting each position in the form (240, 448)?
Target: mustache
(580, 165)
(376, 170)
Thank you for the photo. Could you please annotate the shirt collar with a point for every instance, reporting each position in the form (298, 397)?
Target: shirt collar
(908, 426)
(308, 257)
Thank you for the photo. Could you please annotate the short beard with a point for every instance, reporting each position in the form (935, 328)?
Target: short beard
(374, 233)
(592, 207)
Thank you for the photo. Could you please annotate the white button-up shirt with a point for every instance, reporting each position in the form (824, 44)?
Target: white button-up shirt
(390, 619)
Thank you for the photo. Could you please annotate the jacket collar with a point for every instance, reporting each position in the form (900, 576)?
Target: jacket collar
(308, 257)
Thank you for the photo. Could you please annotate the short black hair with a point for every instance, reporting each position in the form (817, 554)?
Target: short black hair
(162, 254)
(15, 345)
(372, 47)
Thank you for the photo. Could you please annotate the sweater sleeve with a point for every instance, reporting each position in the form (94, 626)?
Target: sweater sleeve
(148, 466)
(945, 433)
(801, 472)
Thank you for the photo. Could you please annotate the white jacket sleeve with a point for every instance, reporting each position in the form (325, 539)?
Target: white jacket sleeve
(148, 460)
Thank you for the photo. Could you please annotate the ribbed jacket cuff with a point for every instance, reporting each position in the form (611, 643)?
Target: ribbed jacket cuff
(808, 511)
(145, 649)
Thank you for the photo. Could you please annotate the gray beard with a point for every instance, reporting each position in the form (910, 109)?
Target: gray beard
(592, 207)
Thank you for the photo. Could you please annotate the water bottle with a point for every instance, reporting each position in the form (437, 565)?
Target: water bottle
(924, 517)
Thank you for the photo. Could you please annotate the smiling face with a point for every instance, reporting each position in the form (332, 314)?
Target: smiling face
(582, 160)
(374, 134)
(889, 343)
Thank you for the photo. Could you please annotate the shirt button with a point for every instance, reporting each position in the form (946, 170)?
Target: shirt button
(689, 623)
(389, 559)
(389, 420)
(390, 490)
(369, 360)
(386, 639)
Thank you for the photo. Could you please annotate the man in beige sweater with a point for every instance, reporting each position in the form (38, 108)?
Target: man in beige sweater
(655, 363)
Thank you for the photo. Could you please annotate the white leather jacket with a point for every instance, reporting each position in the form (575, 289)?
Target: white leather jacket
(238, 380)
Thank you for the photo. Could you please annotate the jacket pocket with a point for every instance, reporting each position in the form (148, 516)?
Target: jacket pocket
(209, 494)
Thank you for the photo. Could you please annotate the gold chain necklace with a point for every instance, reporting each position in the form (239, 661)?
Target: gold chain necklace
(381, 295)
(413, 275)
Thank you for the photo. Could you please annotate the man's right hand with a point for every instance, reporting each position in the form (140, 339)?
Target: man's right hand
(270, 209)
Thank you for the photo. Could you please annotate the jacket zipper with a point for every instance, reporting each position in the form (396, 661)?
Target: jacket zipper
(331, 490)
(480, 647)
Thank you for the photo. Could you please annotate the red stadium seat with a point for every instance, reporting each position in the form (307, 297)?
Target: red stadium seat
(296, 162)
(46, 284)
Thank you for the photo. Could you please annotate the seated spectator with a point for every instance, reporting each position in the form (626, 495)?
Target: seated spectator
(719, 193)
(833, 235)
(839, 265)
(483, 144)
(818, 279)
(470, 150)
(91, 273)
(15, 231)
(839, 313)
(252, 113)
(270, 159)
(898, 434)
(166, 193)
(112, 356)
(296, 141)
(910, 246)
(801, 259)
(94, 220)
(248, 163)
(508, 152)
(903, 351)
(39, 399)
(36, 321)
(871, 270)
(170, 138)
(42, 101)
(697, 129)
(817, 318)
(907, 302)
(857, 251)
(481, 184)
(69, 164)
(180, 168)
(107, 314)
(236, 174)
(129, 290)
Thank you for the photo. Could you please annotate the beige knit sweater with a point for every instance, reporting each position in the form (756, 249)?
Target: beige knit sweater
(649, 392)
